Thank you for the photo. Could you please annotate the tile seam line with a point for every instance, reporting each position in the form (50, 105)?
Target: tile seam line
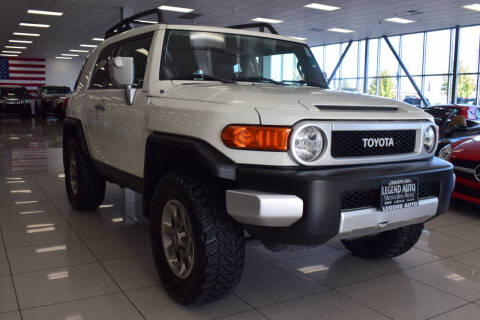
(98, 260)
(11, 277)
(456, 308)
(431, 286)
(456, 254)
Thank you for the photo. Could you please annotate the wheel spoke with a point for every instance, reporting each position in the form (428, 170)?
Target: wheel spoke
(177, 240)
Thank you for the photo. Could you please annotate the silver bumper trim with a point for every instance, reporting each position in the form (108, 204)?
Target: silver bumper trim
(263, 208)
(357, 223)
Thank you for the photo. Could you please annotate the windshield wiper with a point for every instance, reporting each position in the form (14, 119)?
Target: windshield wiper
(260, 79)
(202, 76)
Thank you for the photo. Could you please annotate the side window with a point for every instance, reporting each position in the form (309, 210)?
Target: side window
(100, 71)
(138, 49)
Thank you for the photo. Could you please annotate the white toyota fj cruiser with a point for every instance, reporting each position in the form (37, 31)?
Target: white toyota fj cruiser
(225, 130)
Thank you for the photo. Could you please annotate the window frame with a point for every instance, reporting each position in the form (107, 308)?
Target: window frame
(124, 41)
(116, 46)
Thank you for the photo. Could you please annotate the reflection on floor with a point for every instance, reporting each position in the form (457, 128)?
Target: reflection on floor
(56, 263)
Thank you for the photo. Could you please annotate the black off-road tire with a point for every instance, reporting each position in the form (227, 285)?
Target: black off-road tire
(219, 244)
(90, 191)
(385, 245)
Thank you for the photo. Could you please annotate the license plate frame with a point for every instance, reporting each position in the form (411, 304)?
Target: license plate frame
(399, 193)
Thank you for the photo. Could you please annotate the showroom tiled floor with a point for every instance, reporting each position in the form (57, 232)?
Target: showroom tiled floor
(56, 263)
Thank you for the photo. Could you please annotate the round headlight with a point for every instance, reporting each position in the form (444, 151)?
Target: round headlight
(445, 152)
(308, 144)
(429, 139)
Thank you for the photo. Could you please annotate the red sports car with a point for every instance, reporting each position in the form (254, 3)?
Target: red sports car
(465, 157)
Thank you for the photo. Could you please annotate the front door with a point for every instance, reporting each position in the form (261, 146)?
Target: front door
(120, 126)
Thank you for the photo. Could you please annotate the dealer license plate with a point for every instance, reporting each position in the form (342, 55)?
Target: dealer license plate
(399, 194)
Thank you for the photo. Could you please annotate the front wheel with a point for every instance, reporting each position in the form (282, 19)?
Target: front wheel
(387, 244)
(198, 249)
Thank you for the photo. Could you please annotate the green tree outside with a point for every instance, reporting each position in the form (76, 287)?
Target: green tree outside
(466, 85)
(387, 86)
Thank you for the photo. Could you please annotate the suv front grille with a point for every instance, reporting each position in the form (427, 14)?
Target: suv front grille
(370, 198)
(352, 144)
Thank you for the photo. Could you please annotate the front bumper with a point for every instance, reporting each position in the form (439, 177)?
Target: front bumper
(329, 197)
(14, 108)
(467, 190)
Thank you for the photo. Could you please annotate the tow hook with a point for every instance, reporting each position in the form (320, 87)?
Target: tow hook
(382, 224)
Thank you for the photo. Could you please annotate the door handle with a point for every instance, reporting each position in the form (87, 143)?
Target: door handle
(100, 107)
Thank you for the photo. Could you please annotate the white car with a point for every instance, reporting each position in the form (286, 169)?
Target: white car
(225, 130)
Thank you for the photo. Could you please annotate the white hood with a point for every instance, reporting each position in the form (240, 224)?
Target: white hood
(284, 104)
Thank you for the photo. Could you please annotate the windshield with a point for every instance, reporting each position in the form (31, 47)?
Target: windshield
(56, 90)
(13, 92)
(199, 55)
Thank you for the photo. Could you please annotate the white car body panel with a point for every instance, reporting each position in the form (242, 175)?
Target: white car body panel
(202, 109)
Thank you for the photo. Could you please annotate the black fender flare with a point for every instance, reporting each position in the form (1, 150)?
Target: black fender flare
(73, 128)
(159, 146)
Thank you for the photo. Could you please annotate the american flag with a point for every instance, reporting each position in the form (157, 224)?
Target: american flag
(25, 72)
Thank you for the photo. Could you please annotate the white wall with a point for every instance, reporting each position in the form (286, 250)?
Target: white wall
(62, 72)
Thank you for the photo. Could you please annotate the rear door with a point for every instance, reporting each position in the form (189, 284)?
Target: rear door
(120, 126)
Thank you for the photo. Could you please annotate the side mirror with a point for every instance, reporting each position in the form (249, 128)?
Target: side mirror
(121, 74)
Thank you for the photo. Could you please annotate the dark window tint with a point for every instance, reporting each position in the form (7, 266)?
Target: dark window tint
(100, 72)
(5, 92)
(57, 90)
(138, 49)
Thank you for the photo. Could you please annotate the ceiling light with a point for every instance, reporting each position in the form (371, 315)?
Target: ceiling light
(20, 41)
(320, 6)
(98, 39)
(175, 9)
(76, 50)
(70, 55)
(298, 38)
(267, 20)
(25, 34)
(473, 6)
(15, 47)
(145, 21)
(340, 30)
(8, 55)
(65, 58)
(399, 20)
(46, 13)
(35, 25)
(88, 45)
(6, 51)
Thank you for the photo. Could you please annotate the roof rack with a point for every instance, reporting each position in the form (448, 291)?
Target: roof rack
(125, 24)
(260, 25)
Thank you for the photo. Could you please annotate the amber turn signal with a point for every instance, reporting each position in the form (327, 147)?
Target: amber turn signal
(256, 137)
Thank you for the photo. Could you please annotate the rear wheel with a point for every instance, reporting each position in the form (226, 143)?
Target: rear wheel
(198, 249)
(387, 244)
(85, 186)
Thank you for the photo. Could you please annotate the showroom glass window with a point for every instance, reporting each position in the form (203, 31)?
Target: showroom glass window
(195, 55)
(139, 49)
(428, 57)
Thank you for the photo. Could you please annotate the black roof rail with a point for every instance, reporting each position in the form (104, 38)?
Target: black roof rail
(124, 25)
(260, 25)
